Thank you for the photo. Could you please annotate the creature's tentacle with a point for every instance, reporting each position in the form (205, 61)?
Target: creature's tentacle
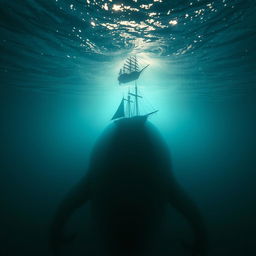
(79, 195)
(185, 205)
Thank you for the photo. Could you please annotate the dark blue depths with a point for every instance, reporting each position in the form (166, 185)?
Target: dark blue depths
(59, 89)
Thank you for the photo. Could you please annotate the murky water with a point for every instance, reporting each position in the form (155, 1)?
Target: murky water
(58, 79)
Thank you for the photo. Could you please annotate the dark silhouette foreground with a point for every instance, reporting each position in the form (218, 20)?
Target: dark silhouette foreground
(129, 184)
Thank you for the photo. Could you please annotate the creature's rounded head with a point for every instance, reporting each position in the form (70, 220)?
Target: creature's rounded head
(131, 136)
(130, 170)
(131, 148)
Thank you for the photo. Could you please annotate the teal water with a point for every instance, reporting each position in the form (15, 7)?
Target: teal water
(58, 81)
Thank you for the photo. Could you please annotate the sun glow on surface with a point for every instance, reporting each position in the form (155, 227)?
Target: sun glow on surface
(117, 7)
(147, 58)
(173, 22)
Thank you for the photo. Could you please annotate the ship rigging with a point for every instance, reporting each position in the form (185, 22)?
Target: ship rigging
(130, 105)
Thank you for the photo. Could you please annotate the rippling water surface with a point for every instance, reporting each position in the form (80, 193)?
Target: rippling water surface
(48, 43)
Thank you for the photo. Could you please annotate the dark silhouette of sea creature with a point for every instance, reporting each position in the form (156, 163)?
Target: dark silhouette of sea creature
(129, 184)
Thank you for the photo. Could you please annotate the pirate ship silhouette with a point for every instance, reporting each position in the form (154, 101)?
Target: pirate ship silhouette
(130, 105)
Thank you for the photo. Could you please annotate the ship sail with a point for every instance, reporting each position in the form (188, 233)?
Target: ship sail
(131, 101)
(130, 71)
(120, 111)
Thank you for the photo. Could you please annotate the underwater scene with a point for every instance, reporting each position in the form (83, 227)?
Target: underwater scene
(128, 127)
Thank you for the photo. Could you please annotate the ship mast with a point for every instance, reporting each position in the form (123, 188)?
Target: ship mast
(129, 101)
(133, 66)
(136, 100)
(129, 73)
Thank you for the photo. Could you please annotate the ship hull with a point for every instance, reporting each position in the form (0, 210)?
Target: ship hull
(138, 119)
(126, 78)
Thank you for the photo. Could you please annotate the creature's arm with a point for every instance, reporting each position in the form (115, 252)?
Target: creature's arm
(79, 195)
(181, 201)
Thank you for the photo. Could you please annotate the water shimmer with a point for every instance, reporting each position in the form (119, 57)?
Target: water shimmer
(45, 44)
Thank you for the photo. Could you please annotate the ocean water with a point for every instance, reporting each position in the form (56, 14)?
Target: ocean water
(58, 91)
